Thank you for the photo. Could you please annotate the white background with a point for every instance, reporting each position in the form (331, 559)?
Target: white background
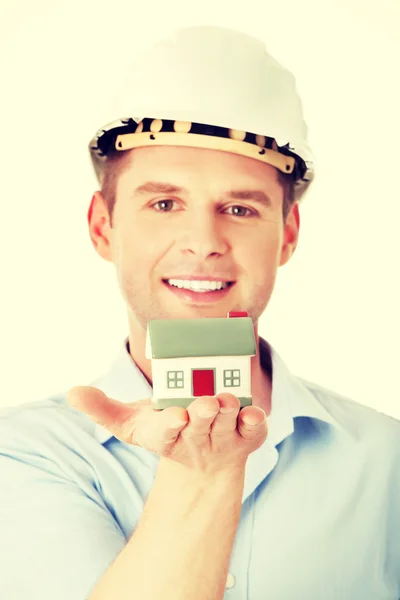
(334, 315)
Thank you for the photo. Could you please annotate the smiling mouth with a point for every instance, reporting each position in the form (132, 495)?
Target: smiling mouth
(199, 291)
(199, 297)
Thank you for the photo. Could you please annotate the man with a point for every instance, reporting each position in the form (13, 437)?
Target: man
(296, 496)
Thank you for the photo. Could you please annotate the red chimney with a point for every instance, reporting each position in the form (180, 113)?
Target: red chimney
(237, 313)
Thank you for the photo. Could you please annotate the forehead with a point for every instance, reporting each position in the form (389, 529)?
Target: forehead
(194, 164)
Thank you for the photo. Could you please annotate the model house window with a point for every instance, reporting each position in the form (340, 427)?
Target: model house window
(232, 378)
(175, 379)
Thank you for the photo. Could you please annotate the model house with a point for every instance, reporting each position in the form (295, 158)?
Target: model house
(200, 357)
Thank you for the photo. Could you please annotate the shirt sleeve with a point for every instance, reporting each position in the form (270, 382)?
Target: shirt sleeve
(56, 542)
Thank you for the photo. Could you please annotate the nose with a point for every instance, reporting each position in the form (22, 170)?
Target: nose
(203, 236)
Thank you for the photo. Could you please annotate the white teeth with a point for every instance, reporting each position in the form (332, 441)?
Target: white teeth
(198, 286)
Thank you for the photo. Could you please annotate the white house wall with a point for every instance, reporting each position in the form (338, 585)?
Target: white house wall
(219, 363)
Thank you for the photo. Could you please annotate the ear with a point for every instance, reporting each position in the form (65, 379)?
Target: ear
(290, 234)
(100, 230)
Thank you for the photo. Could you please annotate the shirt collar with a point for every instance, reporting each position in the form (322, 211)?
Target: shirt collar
(299, 396)
(291, 398)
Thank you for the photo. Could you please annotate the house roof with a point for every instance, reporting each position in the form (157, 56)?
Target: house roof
(177, 338)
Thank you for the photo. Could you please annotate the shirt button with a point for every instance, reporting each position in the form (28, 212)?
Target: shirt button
(230, 581)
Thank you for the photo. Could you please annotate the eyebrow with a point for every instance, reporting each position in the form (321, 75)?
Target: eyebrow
(159, 187)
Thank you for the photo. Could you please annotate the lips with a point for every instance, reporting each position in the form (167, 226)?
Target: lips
(199, 297)
(197, 278)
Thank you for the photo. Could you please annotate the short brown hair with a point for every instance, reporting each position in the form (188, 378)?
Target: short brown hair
(115, 164)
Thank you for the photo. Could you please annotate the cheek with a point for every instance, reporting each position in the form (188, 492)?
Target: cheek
(141, 248)
(263, 246)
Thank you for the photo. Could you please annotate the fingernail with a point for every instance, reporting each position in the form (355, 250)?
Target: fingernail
(226, 410)
(207, 414)
(177, 424)
(246, 422)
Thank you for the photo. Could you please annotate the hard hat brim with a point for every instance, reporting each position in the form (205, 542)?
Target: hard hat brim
(129, 133)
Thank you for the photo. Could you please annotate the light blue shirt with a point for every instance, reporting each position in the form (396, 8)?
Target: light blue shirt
(320, 517)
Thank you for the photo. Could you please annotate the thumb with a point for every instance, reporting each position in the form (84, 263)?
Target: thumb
(115, 416)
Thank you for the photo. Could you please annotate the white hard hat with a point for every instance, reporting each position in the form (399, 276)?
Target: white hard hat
(210, 87)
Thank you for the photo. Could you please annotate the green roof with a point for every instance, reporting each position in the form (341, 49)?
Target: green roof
(173, 338)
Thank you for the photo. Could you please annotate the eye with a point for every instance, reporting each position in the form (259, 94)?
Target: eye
(252, 214)
(162, 202)
(249, 213)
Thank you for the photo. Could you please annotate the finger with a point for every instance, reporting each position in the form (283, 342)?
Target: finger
(226, 420)
(252, 422)
(155, 430)
(202, 413)
(117, 417)
(169, 425)
(136, 423)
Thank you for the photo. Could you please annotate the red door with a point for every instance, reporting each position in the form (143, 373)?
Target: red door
(203, 382)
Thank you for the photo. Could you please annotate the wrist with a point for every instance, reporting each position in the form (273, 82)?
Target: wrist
(228, 475)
